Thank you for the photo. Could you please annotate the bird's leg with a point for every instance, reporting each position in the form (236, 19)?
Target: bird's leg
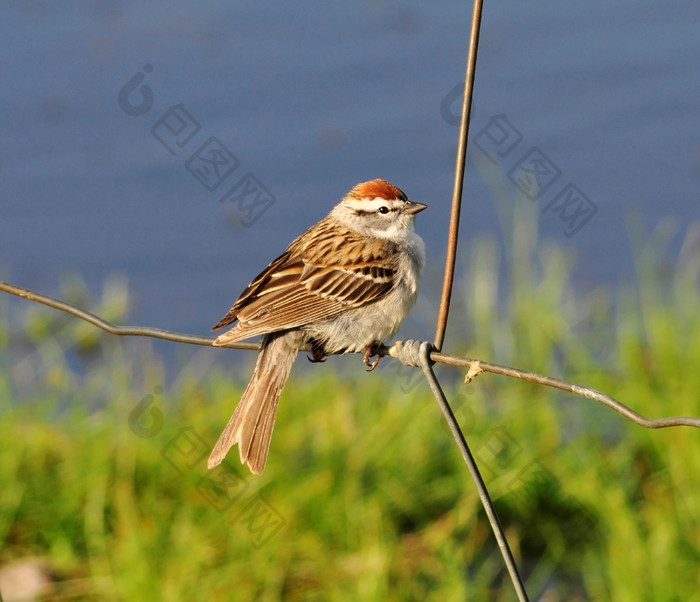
(370, 351)
(318, 353)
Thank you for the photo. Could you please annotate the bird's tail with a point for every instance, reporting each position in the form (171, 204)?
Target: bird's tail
(252, 423)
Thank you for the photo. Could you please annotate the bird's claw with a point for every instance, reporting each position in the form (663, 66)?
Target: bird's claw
(370, 351)
(318, 353)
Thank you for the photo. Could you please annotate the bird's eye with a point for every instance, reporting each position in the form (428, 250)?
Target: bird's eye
(383, 210)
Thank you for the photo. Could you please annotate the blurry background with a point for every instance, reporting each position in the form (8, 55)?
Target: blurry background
(312, 99)
(184, 146)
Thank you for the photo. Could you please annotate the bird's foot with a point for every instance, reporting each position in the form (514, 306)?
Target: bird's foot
(318, 353)
(371, 351)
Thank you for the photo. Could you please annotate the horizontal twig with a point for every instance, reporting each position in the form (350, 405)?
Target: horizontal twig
(556, 383)
(473, 365)
(137, 331)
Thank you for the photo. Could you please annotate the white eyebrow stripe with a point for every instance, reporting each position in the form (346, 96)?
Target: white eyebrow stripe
(367, 204)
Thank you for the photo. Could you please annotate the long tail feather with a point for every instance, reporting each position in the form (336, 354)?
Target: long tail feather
(252, 422)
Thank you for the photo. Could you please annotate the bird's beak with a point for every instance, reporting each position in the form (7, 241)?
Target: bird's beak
(413, 208)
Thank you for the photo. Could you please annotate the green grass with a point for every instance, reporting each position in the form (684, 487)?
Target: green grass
(365, 496)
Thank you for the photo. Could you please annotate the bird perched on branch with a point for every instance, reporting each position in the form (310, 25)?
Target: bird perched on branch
(343, 286)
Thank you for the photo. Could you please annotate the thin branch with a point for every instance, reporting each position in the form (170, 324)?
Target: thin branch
(473, 365)
(448, 280)
(423, 351)
(556, 383)
(138, 331)
(459, 178)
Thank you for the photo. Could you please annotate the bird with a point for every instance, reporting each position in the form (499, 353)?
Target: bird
(342, 286)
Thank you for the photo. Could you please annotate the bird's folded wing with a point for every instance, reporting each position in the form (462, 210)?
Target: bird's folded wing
(302, 286)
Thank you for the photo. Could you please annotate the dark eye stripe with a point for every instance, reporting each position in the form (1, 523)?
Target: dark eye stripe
(383, 210)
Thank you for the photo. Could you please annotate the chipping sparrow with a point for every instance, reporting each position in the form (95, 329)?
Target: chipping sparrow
(342, 286)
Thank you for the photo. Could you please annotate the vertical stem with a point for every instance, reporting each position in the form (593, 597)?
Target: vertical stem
(486, 502)
(459, 178)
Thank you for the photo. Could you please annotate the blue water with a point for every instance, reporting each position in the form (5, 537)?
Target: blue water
(306, 100)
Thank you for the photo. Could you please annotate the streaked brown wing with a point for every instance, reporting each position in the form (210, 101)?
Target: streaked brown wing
(303, 286)
(281, 264)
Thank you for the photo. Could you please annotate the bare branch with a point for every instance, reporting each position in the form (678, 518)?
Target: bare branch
(556, 383)
(137, 331)
(474, 366)
(415, 353)
(459, 178)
